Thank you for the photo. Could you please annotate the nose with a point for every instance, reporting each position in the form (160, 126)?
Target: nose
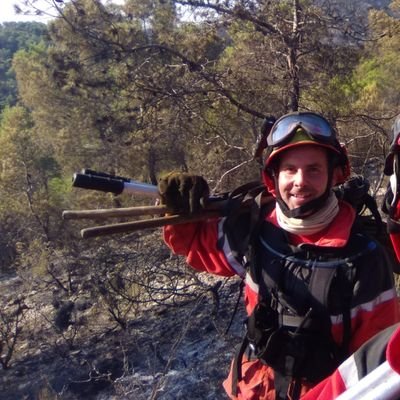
(299, 178)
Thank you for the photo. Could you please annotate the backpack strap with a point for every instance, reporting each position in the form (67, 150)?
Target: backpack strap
(244, 212)
(237, 365)
(321, 291)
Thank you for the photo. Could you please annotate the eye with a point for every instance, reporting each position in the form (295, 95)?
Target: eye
(289, 169)
(315, 170)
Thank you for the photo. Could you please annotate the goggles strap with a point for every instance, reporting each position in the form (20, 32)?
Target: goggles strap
(262, 141)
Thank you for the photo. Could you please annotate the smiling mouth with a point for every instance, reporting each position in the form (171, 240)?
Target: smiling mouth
(301, 196)
(301, 199)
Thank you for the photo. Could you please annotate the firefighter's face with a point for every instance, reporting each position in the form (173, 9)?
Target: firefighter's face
(302, 175)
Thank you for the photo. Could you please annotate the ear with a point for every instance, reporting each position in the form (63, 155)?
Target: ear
(269, 182)
(338, 176)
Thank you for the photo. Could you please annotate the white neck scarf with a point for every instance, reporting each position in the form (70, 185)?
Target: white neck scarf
(312, 223)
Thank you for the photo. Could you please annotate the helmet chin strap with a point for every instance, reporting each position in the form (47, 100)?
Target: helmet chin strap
(309, 208)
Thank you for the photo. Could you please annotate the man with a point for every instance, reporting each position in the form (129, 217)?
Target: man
(317, 288)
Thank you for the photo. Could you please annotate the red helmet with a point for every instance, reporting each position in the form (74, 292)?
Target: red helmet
(299, 129)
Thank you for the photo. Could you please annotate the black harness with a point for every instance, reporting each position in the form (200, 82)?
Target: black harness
(300, 287)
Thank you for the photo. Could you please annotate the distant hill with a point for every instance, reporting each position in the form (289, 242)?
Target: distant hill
(15, 36)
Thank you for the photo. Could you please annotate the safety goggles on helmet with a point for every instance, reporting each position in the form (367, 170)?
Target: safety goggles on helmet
(313, 124)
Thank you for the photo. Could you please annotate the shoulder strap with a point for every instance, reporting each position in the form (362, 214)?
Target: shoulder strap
(320, 283)
(245, 210)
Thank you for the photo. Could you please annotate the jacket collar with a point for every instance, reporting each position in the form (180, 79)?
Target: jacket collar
(336, 234)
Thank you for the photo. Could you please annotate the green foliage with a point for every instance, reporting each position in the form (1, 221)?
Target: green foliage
(27, 171)
(59, 192)
(133, 90)
(15, 36)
